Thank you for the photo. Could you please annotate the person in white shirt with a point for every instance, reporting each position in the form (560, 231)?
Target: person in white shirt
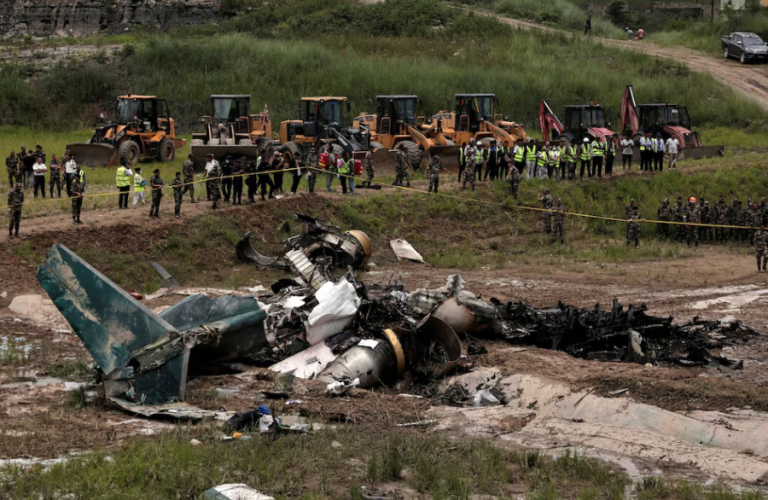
(209, 166)
(672, 145)
(627, 150)
(39, 169)
(70, 167)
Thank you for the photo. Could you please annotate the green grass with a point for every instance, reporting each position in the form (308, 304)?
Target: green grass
(72, 370)
(434, 51)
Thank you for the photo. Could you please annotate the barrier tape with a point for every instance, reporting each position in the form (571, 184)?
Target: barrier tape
(442, 195)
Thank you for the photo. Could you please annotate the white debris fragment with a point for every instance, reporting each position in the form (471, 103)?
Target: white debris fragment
(337, 307)
(404, 250)
(234, 492)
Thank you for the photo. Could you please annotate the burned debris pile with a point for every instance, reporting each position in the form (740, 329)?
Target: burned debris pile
(325, 324)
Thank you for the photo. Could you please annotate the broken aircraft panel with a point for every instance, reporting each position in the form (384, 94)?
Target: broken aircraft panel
(315, 253)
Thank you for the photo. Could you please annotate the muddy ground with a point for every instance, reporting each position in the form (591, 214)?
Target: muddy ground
(39, 420)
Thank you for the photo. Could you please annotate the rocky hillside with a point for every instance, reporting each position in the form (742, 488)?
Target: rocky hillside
(88, 17)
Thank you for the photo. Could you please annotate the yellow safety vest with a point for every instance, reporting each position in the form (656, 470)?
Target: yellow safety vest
(530, 153)
(347, 166)
(462, 157)
(137, 187)
(520, 155)
(586, 154)
(642, 144)
(122, 179)
(479, 157)
(542, 158)
(597, 149)
(570, 154)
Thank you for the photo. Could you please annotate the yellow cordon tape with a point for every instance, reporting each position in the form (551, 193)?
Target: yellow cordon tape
(404, 188)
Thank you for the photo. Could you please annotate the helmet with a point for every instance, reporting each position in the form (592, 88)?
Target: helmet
(586, 139)
(691, 200)
(472, 140)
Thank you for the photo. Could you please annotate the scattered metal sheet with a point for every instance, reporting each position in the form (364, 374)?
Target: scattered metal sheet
(308, 363)
(168, 280)
(178, 411)
(234, 492)
(337, 308)
(404, 250)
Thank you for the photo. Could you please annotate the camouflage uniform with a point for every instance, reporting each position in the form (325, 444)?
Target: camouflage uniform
(721, 219)
(15, 203)
(470, 154)
(761, 249)
(732, 217)
(707, 217)
(177, 195)
(188, 172)
(12, 166)
(77, 189)
(369, 169)
(514, 182)
(755, 220)
(546, 202)
(692, 216)
(55, 177)
(434, 174)
(157, 195)
(559, 223)
(633, 228)
(763, 210)
(311, 172)
(678, 215)
(740, 219)
(401, 168)
(214, 185)
(663, 213)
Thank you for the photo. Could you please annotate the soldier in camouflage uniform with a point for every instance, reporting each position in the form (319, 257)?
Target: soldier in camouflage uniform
(721, 219)
(678, 215)
(763, 209)
(470, 155)
(733, 220)
(369, 168)
(663, 213)
(761, 248)
(214, 185)
(156, 185)
(177, 186)
(435, 166)
(189, 177)
(547, 203)
(514, 179)
(312, 169)
(707, 217)
(15, 204)
(12, 167)
(633, 227)
(78, 192)
(401, 167)
(740, 217)
(559, 221)
(692, 216)
(753, 220)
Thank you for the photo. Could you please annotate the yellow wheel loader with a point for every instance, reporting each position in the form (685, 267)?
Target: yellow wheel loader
(143, 129)
(231, 130)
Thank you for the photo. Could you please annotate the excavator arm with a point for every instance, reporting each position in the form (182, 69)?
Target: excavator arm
(629, 119)
(548, 120)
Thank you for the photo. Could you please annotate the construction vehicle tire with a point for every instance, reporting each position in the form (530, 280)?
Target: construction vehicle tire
(245, 142)
(196, 142)
(292, 150)
(414, 154)
(264, 143)
(167, 150)
(129, 153)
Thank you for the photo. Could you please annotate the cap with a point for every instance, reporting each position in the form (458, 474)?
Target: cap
(691, 200)
(706, 202)
(157, 170)
(435, 157)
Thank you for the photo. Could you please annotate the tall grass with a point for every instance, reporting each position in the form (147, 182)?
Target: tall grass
(433, 52)
(562, 14)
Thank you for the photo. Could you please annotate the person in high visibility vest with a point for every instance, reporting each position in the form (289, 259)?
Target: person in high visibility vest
(570, 160)
(530, 159)
(542, 158)
(585, 155)
(346, 167)
(560, 167)
(123, 183)
(462, 159)
(598, 152)
(518, 156)
(554, 162)
(139, 188)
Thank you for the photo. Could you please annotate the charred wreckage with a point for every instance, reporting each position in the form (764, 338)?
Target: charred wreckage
(325, 323)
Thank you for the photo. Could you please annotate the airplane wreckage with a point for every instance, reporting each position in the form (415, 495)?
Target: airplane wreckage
(325, 323)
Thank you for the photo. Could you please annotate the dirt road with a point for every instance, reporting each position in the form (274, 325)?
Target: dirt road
(750, 80)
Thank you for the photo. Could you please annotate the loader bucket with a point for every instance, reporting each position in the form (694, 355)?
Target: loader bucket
(701, 152)
(94, 155)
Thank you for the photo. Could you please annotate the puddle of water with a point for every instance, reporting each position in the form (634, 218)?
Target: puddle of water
(730, 303)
